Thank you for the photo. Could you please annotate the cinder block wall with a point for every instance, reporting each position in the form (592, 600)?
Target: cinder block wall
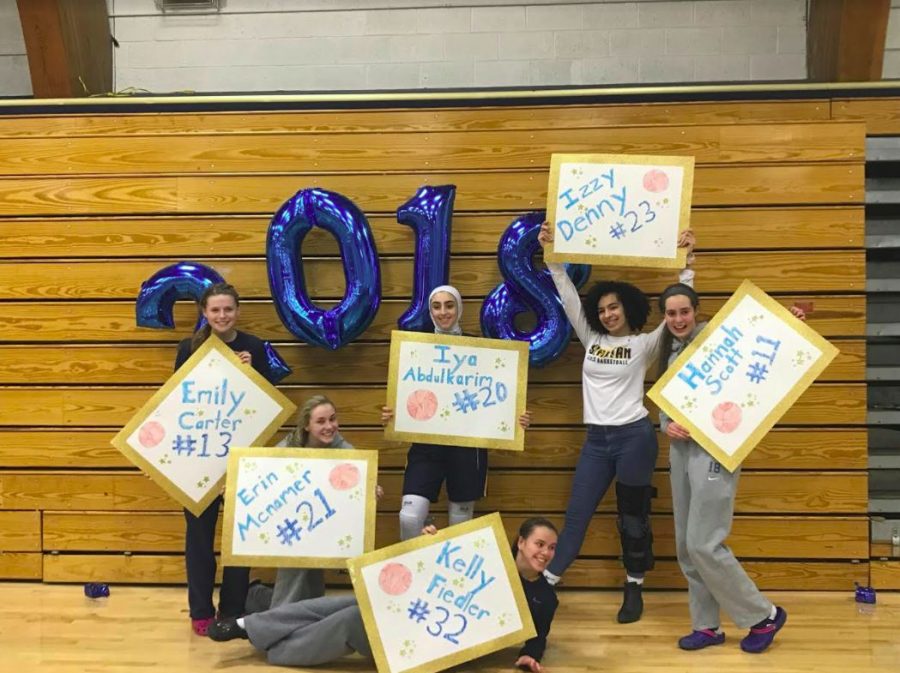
(892, 45)
(316, 45)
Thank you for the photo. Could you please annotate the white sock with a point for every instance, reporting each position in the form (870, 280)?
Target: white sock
(460, 512)
(773, 613)
(240, 622)
(552, 579)
(636, 580)
(413, 513)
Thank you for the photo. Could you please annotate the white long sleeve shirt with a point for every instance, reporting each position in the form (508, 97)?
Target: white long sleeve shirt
(612, 376)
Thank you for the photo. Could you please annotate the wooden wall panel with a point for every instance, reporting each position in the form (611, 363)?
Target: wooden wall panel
(584, 573)
(21, 565)
(486, 118)
(363, 363)
(776, 184)
(35, 321)
(885, 575)
(92, 205)
(475, 150)
(201, 236)
(784, 448)
(794, 537)
(552, 404)
(780, 271)
(20, 531)
(509, 491)
(881, 115)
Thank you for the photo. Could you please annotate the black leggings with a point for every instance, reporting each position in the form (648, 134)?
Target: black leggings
(200, 561)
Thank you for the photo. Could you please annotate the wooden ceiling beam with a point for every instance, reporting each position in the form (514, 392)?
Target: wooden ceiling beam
(69, 47)
(845, 40)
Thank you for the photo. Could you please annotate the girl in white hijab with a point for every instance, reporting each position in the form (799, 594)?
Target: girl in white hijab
(428, 466)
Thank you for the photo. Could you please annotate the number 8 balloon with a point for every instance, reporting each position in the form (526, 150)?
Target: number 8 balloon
(526, 288)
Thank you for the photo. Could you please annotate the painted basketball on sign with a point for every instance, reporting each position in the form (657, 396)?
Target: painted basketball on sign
(726, 417)
(344, 476)
(151, 434)
(394, 579)
(656, 181)
(421, 404)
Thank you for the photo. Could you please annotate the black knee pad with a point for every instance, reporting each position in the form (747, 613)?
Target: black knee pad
(633, 504)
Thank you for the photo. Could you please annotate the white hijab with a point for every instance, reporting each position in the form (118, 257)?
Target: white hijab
(449, 289)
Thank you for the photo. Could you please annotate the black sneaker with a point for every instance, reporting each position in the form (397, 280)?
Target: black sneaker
(226, 629)
(632, 604)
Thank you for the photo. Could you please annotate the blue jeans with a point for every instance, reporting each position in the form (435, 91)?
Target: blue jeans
(626, 452)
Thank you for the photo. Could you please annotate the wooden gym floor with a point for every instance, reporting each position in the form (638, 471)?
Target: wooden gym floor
(55, 629)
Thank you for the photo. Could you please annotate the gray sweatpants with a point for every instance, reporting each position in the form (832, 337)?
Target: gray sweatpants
(703, 502)
(310, 632)
(291, 585)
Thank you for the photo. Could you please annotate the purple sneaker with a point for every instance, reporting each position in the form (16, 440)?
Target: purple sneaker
(762, 635)
(697, 640)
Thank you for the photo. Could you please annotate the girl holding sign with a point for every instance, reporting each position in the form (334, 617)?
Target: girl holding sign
(621, 442)
(220, 305)
(703, 505)
(320, 630)
(317, 428)
(430, 465)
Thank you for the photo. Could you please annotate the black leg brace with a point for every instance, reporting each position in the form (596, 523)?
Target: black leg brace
(633, 504)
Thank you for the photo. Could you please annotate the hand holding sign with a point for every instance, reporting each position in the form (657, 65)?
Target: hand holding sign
(303, 508)
(459, 390)
(182, 435)
(740, 374)
(440, 600)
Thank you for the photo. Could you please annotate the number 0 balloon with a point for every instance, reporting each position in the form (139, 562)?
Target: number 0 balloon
(339, 216)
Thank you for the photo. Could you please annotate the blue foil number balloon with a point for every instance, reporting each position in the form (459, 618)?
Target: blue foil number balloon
(156, 300)
(526, 288)
(339, 216)
(430, 214)
(278, 368)
(155, 306)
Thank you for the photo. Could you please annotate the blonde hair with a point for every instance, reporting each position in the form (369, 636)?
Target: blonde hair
(300, 435)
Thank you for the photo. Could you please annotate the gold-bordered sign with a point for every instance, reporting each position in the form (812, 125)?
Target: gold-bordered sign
(457, 390)
(314, 506)
(619, 209)
(741, 373)
(156, 440)
(391, 585)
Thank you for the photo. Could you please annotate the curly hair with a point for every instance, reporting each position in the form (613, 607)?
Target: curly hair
(634, 302)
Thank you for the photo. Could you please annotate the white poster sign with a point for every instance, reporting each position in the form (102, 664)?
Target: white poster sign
(619, 209)
(440, 600)
(182, 435)
(741, 374)
(462, 391)
(303, 508)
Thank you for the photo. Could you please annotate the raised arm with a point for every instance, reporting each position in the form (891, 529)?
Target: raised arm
(568, 293)
(686, 276)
